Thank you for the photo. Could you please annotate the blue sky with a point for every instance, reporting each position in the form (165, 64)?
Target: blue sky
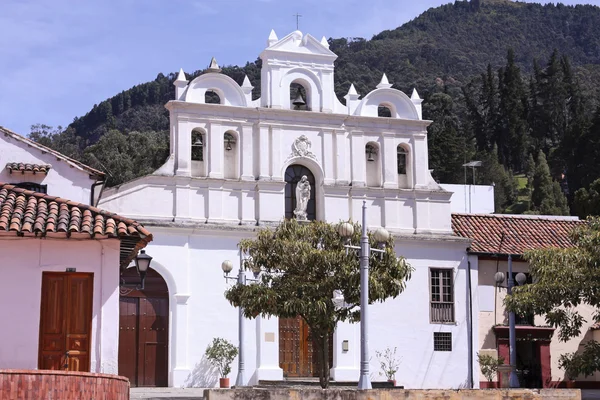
(60, 57)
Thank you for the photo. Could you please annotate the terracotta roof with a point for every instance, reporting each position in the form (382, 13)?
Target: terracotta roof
(26, 167)
(513, 234)
(74, 163)
(31, 214)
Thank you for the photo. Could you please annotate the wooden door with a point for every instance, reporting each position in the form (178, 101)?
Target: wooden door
(66, 321)
(296, 354)
(144, 329)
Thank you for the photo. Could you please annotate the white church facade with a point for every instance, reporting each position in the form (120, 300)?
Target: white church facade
(234, 167)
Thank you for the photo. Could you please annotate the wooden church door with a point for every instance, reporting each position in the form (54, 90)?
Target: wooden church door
(143, 331)
(66, 321)
(297, 357)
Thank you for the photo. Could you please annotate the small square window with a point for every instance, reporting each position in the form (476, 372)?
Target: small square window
(442, 341)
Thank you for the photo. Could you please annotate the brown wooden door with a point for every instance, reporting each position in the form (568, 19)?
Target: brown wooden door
(66, 321)
(296, 355)
(144, 329)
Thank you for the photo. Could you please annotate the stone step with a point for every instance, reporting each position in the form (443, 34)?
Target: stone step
(288, 382)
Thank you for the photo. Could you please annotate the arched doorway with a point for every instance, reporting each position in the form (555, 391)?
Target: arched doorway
(144, 331)
(293, 174)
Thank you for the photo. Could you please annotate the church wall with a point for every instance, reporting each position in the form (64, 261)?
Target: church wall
(190, 261)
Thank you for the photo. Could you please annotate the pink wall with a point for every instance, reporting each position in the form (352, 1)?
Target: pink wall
(22, 261)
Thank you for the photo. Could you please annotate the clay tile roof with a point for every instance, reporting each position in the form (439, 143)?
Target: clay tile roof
(513, 234)
(73, 163)
(29, 168)
(27, 213)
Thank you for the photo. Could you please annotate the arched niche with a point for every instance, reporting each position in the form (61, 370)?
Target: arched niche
(311, 84)
(227, 89)
(384, 110)
(403, 166)
(373, 164)
(318, 174)
(211, 96)
(399, 104)
(231, 155)
(300, 89)
(293, 174)
(198, 152)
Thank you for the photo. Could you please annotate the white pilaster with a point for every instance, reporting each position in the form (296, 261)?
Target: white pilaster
(247, 152)
(267, 343)
(109, 332)
(390, 162)
(179, 341)
(216, 151)
(263, 152)
(346, 363)
(328, 157)
(342, 175)
(182, 201)
(358, 159)
(275, 151)
(183, 140)
(420, 160)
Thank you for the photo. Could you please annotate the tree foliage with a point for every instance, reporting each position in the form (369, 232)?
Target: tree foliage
(221, 353)
(564, 278)
(307, 272)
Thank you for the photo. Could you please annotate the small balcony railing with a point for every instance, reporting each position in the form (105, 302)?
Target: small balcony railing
(442, 312)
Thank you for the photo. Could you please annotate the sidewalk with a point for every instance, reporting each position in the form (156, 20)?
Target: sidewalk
(166, 393)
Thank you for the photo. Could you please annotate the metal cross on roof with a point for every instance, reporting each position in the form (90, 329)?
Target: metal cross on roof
(297, 20)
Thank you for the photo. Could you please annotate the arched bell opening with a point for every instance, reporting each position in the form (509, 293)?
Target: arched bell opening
(300, 95)
(198, 149)
(231, 155)
(212, 97)
(373, 164)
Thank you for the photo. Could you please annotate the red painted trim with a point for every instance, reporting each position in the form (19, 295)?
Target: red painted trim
(525, 332)
(488, 385)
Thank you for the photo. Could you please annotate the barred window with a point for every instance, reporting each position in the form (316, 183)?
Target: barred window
(442, 341)
(442, 296)
(36, 187)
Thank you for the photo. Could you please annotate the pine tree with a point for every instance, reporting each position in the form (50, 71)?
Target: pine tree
(530, 171)
(547, 197)
(512, 127)
(494, 173)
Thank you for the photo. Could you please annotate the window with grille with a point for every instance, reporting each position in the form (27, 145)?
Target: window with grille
(442, 341)
(442, 296)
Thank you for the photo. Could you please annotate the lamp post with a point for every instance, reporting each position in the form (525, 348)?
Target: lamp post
(346, 231)
(513, 380)
(241, 279)
(142, 263)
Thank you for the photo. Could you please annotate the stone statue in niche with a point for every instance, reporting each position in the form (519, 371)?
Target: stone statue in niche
(302, 197)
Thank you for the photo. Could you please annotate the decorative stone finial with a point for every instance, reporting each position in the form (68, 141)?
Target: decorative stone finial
(246, 86)
(181, 76)
(352, 90)
(384, 82)
(272, 38)
(415, 95)
(324, 42)
(213, 67)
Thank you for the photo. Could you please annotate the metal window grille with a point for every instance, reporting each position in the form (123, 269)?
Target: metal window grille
(442, 296)
(36, 187)
(442, 341)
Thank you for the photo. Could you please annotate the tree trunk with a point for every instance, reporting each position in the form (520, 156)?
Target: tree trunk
(322, 349)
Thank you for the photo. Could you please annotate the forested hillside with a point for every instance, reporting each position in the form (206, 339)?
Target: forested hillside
(514, 85)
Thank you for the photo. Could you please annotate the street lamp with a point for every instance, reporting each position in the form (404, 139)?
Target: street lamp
(142, 263)
(241, 279)
(513, 380)
(346, 231)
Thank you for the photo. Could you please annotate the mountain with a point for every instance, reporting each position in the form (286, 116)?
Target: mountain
(456, 50)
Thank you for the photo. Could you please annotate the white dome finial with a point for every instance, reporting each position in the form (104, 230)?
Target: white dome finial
(181, 76)
(272, 38)
(384, 82)
(213, 67)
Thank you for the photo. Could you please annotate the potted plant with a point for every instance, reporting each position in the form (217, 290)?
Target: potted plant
(389, 364)
(571, 364)
(489, 367)
(221, 353)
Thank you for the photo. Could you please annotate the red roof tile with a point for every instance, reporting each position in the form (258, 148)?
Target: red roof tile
(74, 163)
(30, 168)
(27, 213)
(513, 234)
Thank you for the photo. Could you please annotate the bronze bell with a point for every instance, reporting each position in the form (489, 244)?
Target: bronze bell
(299, 101)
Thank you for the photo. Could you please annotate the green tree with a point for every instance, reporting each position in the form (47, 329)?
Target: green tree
(564, 278)
(547, 197)
(494, 173)
(587, 201)
(303, 267)
(530, 171)
(447, 146)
